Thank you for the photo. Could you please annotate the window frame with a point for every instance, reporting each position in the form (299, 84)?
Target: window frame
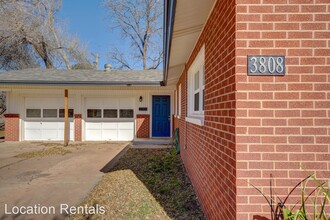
(126, 109)
(33, 117)
(197, 67)
(97, 109)
(42, 113)
(110, 109)
(61, 115)
(44, 110)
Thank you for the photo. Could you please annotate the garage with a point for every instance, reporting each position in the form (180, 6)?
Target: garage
(44, 119)
(109, 119)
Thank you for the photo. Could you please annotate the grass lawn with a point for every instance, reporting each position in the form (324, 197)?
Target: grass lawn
(145, 184)
(49, 149)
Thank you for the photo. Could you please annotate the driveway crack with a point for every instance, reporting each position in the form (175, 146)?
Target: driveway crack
(12, 163)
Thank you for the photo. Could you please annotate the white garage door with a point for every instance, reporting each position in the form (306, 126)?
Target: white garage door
(44, 119)
(109, 119)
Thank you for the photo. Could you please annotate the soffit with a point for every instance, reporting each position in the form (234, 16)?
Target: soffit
(190, 17)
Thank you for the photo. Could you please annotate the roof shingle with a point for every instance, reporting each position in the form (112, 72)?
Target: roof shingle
(84, 77)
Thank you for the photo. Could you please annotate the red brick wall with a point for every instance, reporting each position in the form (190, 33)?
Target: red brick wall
(11, 127)
(210, 154)
(142, 126)
(257, 126)
(282, 123)
(77, 127)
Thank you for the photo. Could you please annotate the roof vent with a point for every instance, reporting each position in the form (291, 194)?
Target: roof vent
(107, 67)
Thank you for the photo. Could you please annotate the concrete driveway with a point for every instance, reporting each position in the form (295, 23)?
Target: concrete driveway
(50, 181)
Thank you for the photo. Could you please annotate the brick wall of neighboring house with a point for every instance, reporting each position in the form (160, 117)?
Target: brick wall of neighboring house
(11, 127)
(142, 126)
(77, 127)
(210, 153)
(283, 123)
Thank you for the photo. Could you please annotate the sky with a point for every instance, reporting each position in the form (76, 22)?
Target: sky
(89, 21)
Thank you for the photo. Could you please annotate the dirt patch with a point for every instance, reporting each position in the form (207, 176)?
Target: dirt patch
(57, 144)
(145, 184)
(45, 152)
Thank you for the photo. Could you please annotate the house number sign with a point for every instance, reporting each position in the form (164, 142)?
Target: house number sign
(266, 65)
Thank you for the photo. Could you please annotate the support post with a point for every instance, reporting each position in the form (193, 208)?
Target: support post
(66, 117)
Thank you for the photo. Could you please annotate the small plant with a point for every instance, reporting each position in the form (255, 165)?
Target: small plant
(319, 212)
(320, 200)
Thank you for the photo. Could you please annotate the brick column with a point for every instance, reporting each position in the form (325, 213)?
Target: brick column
(142, 126)
(77, 127)
(11, 127)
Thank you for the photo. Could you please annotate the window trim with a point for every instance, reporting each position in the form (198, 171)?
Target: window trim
(175, 103)
(179, 100)
(198, 66)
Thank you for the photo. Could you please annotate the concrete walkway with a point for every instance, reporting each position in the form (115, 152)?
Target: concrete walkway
(53, 180)
(152, 143)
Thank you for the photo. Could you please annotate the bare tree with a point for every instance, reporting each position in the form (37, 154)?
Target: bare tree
(140, 23)
(30, 37)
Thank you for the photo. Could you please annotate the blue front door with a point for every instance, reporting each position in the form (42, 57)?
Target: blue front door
(161, 116)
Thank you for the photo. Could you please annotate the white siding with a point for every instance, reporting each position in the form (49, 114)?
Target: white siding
(19, 99)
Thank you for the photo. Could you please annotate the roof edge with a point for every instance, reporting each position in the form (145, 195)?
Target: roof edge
(169, 15)
(79, 83)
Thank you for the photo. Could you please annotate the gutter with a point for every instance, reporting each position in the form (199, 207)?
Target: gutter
(169, 15)
(79, 83)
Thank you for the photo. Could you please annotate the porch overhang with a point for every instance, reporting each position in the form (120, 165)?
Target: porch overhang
(183, 22)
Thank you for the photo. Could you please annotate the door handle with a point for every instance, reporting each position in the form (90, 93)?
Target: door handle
(169, 118)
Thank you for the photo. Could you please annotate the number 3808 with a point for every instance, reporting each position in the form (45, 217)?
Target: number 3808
(266, 65)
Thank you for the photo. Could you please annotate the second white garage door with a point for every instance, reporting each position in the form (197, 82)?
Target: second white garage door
(109, 119)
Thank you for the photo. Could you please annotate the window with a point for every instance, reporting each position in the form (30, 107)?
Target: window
(179, 101)
(196, 89)
(49, 113)
(110, 113)
(33, 113)
(126, 113)
(94, 113)
(61, 113)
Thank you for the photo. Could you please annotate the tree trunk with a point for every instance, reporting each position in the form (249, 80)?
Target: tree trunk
(45, 57)
(145, 57)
